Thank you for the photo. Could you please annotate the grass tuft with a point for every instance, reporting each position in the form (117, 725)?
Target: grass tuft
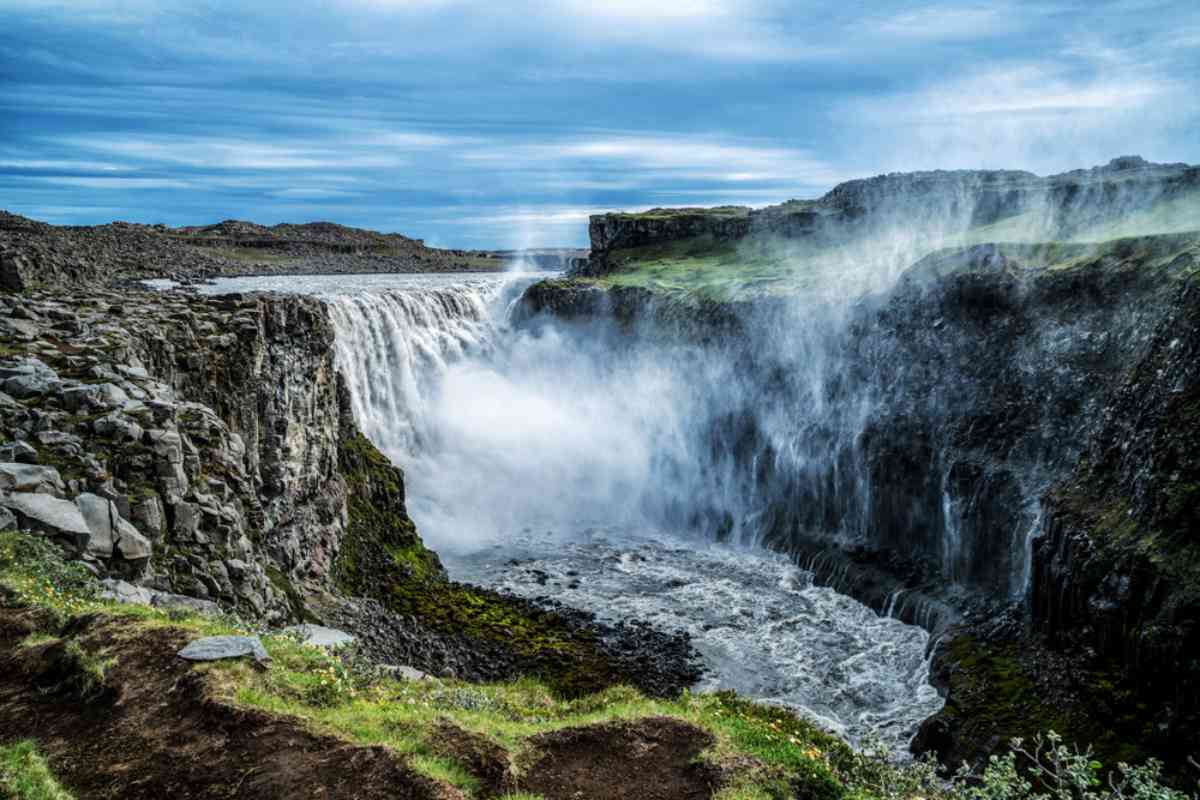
(25, 775)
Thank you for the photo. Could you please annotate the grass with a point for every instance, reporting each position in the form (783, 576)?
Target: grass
(405, 717)
(704, 269)
(24, 774)
(1176, 215)
(726, 212)
(712, 270)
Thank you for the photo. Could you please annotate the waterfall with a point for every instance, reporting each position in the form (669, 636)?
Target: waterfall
(393, 346)
(814, 423)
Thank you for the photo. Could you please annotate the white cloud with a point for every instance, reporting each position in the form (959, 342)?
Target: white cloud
(682, 156)
(1045, 116)
(1032, 88)
(61, 164)
(372, 151)
(114, 183)
(311, 193)
(948, 22)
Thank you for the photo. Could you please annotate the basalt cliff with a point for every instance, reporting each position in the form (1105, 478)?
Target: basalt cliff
(997, 444)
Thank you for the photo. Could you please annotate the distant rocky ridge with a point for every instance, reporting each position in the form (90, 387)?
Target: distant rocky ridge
(37, 255)
(1057, 206)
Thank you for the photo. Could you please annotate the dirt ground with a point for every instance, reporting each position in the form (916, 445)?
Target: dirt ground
(152, 731)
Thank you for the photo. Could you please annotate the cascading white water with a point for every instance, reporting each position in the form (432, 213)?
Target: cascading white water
(394, 346)
(548, 461)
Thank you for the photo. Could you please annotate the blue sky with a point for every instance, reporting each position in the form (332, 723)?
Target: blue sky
(504, 124)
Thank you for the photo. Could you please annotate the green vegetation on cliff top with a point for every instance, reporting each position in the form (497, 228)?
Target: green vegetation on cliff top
(705, 268)
(762, 264)
(726, 212)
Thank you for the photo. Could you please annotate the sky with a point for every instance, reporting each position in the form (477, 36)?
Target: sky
(485, 124)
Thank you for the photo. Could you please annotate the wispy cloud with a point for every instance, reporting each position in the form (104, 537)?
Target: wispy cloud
(114, 183)
(1046, 115)
(697, 157)
(476, 123)
(952, 22)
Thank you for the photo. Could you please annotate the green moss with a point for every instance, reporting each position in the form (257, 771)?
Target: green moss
(381, 541)
(539, 642)
(705, 268)
(289, 590)
(717, 212)
(995, 696)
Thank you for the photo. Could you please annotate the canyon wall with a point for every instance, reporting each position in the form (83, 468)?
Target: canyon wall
(999, 447)
(218, 428)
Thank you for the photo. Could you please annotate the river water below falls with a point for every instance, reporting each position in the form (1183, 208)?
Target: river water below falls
(523, 458)
(758, 622)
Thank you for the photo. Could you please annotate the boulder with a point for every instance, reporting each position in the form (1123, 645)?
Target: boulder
(131, 545)
(406, 673)
(320, 636)
(168, 600)
(100, 516)
(187, 522)
(119, 427)
(75, 398)
(137, 373)
(111, 534)
(49, 515)
(217, 648)
(18, 452)
(125, 592)
(111, 395)
(23, 387)
(16, 477)
(148, 514)
(26, 366)
(8, 520)
(16, 272)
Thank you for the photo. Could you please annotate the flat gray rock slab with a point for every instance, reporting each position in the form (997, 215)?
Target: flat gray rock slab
(125, 592)
(49, 515)
(218, 648)
(404, 672)
(320, 636)
(20, 477)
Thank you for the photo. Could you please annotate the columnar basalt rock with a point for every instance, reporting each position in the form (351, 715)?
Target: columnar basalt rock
(236, 498)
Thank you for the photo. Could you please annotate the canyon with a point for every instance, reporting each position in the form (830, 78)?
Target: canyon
(966, 400)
